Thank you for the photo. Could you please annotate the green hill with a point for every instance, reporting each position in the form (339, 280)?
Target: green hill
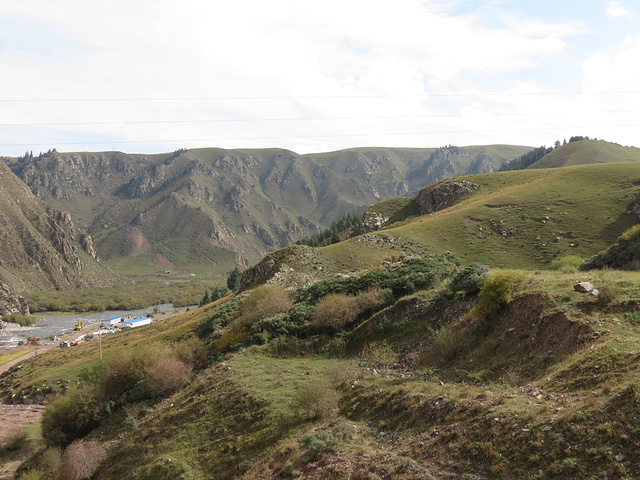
(587, 152)
(209, 210)
(516, 219)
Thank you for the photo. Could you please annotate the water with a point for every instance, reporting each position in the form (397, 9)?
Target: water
(59, 324)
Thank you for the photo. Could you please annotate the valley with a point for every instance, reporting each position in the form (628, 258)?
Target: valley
(486, 325)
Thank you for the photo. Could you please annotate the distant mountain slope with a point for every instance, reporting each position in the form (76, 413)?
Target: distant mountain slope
(40, 248)
(585, 152)
(212, 209)
(516, 219)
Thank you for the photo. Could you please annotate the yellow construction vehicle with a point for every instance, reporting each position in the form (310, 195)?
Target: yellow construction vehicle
(78, 325)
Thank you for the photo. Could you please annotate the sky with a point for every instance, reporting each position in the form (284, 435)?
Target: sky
(153, 76)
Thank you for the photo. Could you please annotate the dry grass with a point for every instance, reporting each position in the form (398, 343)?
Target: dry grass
(81, 460)
(167, 375)
(336, 310)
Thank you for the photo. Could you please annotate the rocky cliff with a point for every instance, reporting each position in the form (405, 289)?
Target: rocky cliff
(10, 303)
(40, 247)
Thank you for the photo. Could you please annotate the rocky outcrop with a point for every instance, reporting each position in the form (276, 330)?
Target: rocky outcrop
(10, 303)
(146, 181)
(442, 195)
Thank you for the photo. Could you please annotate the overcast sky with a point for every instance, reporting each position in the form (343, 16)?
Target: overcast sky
(158, 75)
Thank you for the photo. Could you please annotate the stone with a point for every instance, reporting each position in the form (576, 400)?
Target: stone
(583, 287)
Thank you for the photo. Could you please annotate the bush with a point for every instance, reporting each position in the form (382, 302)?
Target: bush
(167, 375)
(469, 280)
(319, 442)
(498, 291)
(264, 302)
(317, 399)
(335, 311)
(15, 440)
(20, 319)
(81, 460)
(374, 298)
(566, 264)
(72, 416)
(193, 352)
(219, 319)
(379, 354)
(410, 276)
(128, 372)
(326, 440)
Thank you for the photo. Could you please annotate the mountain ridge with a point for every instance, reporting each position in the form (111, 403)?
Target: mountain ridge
(231, 206)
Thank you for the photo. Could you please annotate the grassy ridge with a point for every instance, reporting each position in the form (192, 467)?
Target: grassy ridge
(522, 219)
(586, 152)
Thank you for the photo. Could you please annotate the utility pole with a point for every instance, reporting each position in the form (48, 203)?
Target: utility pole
(100, 337)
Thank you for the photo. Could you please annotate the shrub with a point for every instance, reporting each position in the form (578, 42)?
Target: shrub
(32, 475)
(72, 416)
(326, 440)
(81, 460)
(374, 298)
(193, 352)
(336, 310)
(15, 440)
(379, 354)
(20, 319)
(127, 373)
(566, 264)
(317, 399)
(264, 302)
(319, 442)
(50, 461)
(469, 280)
(167, 375)
(219, 319)
(415, 274)
(498, 291)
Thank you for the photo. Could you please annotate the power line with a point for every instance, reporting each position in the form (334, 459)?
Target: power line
(296, 119)
(223, 139)
(304, 97)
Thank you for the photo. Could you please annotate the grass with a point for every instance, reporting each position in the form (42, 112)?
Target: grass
(522, 219)
(7, 357)
(548, 389)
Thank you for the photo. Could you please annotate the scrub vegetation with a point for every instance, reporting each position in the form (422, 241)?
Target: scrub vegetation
(450, 345)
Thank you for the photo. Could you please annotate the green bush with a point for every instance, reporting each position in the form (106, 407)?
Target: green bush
(566, 264)
(20, 319)
(469, 280)
(326, 440)
(410, 276)
(498, 291)
(219, 319)
(319, 442)
(72, 416)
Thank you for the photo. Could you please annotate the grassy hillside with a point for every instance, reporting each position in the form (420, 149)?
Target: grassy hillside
(514, 375)
(208, 210)
(518, 219)
(585, 152)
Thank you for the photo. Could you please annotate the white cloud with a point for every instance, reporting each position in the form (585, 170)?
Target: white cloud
(615, 9)
(352, 63)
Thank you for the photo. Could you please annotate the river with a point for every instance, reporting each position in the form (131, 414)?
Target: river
(58, 324)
